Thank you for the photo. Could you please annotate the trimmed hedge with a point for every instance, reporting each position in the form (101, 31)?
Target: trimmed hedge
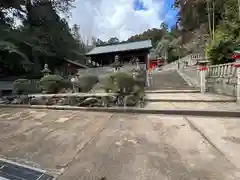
(85, 83)
(24, 86)
(53, 83)
(122, 83)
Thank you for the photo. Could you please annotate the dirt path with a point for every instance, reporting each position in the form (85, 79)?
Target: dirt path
(83, 145)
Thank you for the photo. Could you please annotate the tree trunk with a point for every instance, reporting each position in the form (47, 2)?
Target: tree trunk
(213, 20)
(209, 19)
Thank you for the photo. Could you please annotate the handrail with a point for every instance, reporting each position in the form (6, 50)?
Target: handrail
(222, 70)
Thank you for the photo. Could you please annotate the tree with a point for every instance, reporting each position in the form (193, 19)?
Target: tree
(154, 34)
(219, 22)
(113, 40)
(98, 42)
(164, 27)
(43, 37)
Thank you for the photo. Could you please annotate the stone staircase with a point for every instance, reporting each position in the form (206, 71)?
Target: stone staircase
(168, 80)
(171, 93)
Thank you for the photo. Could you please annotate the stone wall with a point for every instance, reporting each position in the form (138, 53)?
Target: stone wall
(225, 86)
(222, 79)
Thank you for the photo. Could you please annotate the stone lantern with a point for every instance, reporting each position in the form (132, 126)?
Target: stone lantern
(134, 73)
(46, 70)
(137, 63)
(203, 63)
(236, 56)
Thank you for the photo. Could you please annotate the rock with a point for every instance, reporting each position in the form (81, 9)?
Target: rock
(4, 101)
(72, 101)
(91, 101)
(130, 100)
(62, 101)
(37, 101)
(64, 90)
(109, 100)
(24, 99)
(69, 91)
(51, 101)
(16, 101)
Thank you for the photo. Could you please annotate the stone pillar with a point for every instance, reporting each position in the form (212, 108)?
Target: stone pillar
(237, 66)
(238, 81)
(147, 70)
(203, 72)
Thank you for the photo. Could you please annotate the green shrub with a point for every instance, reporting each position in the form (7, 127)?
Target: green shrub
(67, 84)
(119, 82)
(21, 86)
(85, 83)
(52, 83)
(220, 50)
(140, 77)
(24, 86)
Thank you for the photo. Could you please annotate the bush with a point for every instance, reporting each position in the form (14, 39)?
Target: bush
(119, 82)
(85, 83)
(24, 86)
(21, 86)
(140, 77)
(52, 83)
(220, 50)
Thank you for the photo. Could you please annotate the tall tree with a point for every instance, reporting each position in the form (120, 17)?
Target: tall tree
(113, 40)
(43, 36)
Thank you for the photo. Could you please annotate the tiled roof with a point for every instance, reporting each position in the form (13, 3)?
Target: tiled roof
(146, 44)
(76, 63)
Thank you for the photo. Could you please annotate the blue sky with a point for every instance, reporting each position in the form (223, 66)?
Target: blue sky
(168, 14)
(120, 18)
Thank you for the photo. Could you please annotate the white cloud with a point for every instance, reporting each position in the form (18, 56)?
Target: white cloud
(115, 18)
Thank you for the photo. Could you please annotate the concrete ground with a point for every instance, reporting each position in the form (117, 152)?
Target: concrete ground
(74, 145)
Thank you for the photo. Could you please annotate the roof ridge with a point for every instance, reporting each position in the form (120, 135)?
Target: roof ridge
(123, 42)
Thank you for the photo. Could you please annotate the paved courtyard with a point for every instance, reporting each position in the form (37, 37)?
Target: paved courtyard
(74, 145)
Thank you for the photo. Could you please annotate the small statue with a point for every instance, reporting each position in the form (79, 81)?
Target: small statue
(46, 71)
(116, 64)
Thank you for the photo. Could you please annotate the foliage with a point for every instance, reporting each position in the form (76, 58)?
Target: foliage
(119, 82)
(113, 40)
(52, 83)
(86, 82)
(21, 86)
(42, 36)
(140, 78)
(219, 21)
(154, 34)
(24, 86)
(124, 84)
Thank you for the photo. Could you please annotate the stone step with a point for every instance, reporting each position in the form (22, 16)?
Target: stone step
(173, 91)
(187, 97)
(200, 106)
(160, 108)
